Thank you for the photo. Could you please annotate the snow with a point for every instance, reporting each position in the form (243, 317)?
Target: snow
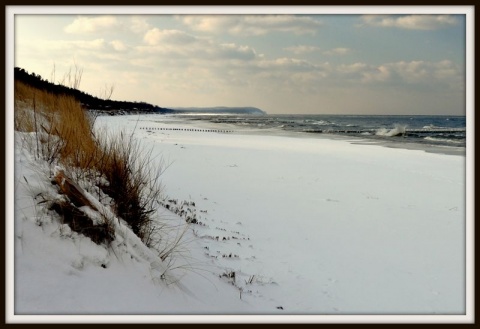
(317, 229)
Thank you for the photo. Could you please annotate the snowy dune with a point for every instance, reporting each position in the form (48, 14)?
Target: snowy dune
(309, 226)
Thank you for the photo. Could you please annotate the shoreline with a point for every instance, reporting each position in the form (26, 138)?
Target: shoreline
(388, 142)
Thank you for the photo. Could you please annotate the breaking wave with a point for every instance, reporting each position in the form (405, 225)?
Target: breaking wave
(431, 126)
(436, 139)
(397, 131)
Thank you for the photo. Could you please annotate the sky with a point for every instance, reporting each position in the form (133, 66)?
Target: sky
(345, 63)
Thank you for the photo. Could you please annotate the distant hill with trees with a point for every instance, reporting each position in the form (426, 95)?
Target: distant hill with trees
(112, 107)
(88, 101)
(220, 110)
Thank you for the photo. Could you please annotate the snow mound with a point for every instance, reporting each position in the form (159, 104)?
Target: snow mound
(60, 271)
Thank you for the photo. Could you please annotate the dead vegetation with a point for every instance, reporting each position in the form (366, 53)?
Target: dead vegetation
(117, 165)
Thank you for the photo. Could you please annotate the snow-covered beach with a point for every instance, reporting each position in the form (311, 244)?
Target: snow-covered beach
(295, 226)
(239, 165)
(333, 218)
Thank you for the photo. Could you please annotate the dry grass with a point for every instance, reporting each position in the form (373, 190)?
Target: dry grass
(133, 182)
(61, 116)
(64, 135)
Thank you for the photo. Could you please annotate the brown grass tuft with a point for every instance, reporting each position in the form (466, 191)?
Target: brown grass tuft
(132, 181)
(64, 134)
(51, 115)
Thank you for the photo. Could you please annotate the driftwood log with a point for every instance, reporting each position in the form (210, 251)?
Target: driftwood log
(72, 190)
(76, 218)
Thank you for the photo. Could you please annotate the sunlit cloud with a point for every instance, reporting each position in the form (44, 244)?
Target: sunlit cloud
(71, 45)
(376, 74)
(118, 45)
(424, 72)
(354, 68)
(175, 45)
(302, 49)
(406, 73)
(83, 24)
(257, 58)
(411, 22)
(156, 36)
(233, 51)
(287, 63)
(252, 25)
(139, 24)
(177, 52)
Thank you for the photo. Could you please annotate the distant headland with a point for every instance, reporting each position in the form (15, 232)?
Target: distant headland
(219, 110)
(113, 107)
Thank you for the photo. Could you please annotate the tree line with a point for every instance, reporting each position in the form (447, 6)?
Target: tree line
(89, 102)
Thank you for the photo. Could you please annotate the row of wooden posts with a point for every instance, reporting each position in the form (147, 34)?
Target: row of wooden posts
(187, 129)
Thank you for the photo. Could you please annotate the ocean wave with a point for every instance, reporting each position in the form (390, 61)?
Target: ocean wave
(444, 140)
(321, 123)
(432, 126)
(398, 130)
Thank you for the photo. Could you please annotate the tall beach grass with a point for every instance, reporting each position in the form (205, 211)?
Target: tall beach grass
(64, 135)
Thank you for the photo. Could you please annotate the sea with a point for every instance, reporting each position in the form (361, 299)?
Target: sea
(446, 134)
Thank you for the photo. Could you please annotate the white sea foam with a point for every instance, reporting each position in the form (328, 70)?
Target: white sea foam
(436, 139)
(432, 126)
(398, 130)
(322, 123)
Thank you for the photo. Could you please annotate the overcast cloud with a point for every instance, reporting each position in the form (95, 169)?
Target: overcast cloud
(355, 64)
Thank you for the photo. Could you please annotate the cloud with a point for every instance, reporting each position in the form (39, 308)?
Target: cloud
(423, 72)
(98, 24)
(413, 73)
(118, 45)
(302, 49)
(352, 68)
(371, 74)
(208, 23)
(285, 63)
(233, 51)
(208, 65)
(252, 25)
(176, 45)
(411, 22)
(139, 24)
(72, 45)
(231, 63)
(156, 36)
(84, 24)
(337, 52)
